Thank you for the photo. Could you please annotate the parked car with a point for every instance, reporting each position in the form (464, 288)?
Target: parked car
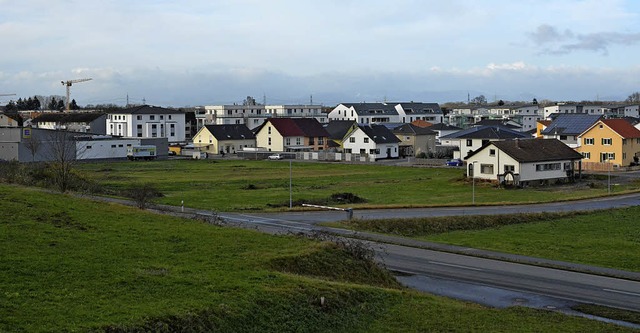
(454, 162)
(276, 157)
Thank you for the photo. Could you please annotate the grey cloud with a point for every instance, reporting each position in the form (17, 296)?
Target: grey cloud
(558, 43)
(548, 34)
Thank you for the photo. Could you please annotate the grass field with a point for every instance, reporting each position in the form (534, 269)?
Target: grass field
(608, 238)
(68, 264)
(229, 185)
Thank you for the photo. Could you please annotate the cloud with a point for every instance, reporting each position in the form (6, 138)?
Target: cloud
(558, 43)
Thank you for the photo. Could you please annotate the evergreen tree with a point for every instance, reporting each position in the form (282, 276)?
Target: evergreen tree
(60, 105)
(74, 105)
(53, 104)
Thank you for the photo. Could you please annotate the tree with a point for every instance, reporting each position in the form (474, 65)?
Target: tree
(11, 107)
(62, 157)
(535, 101)
(74, 105)
(33, 145)
(479, 100)
(633, 98)
(60, 106)
(501, 102)
(53, 104)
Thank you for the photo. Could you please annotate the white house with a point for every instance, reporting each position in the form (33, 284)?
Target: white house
(375, 141)
(527, 116)
(147, 122)
(522, 162)
(471, 139)
(376, 113)
(632, 111)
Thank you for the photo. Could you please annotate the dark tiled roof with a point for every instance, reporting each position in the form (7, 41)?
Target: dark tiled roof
(444, 127)
(338, 129)
(146, 109)
(571, 124)
(413, 129)
(419, 107)
(495, 122)
(534, 150)
(379, 134)
(306, 127)
(230, 132)
(486, 132)
(364, 109)
(65, 118)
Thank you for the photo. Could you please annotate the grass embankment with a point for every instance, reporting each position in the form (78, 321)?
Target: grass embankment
(74, 265)
(236, 185)
(609, 238)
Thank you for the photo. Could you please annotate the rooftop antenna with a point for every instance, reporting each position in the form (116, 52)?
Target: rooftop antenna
(144, 101)
(127, 100)
(311, 99)
(264, 99)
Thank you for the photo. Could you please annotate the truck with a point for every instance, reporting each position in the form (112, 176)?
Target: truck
(145, 152)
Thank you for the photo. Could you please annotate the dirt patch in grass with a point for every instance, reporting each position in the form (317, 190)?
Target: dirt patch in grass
(61, 220)
(334, 199)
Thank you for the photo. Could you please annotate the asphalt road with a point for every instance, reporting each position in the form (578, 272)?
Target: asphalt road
(558, 284)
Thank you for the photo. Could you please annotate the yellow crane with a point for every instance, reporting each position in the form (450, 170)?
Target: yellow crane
(69, 83)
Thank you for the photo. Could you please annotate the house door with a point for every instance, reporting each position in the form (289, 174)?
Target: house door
(388, 152)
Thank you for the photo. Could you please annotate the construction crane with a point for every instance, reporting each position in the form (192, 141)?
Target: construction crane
(69, 83)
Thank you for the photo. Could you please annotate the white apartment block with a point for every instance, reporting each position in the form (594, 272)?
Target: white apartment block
(147, 122)
(255, 115)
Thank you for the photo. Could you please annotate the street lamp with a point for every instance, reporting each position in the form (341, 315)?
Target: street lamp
(473, 182)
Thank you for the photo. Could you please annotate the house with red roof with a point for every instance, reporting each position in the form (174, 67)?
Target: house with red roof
(610, 141)
(292, 135)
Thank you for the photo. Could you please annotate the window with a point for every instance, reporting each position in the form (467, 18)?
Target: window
(492, 152)
(548, 166)
(88, 147)
(287, 141)
(172, 127)
(169, 117)
(152, 117)
(624, 141)
(269, 141)
(352, 140)
(298, 142)
(586, 155)
(563, 137)
(161, 117)
(139, 130)
(363, 151)
(113, 146)
(624, 156)
(139, 117)
(373, 151)
(588, 141)
(154, 130)
(612, 156)
(312, 141)
(509, 168)
(606, 141)
(366, 140)
(469, 142)
(269, 130)
(321, 141)
(486, 169)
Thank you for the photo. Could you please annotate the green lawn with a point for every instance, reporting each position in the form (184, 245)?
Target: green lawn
(608, 238)
(230, 185)
(69, 264)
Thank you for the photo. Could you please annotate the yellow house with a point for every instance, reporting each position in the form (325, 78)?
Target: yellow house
(541, 125)
(224, 139)
(610, 140)
(292, 134)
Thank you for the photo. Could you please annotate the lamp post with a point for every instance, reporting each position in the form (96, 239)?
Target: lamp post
(290, 187)
(473, 182)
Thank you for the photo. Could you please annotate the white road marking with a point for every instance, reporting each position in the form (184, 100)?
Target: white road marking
(622, 292)
(454, 265)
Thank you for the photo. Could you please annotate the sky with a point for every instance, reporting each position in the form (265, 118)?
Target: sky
(209, 52)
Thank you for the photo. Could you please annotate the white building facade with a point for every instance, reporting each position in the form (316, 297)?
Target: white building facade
(147, 122)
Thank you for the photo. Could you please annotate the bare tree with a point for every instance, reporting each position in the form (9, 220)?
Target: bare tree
(62, 158)
(33, 145)
(633, 98)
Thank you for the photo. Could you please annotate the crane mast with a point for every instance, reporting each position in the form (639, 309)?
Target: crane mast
(68, 84)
